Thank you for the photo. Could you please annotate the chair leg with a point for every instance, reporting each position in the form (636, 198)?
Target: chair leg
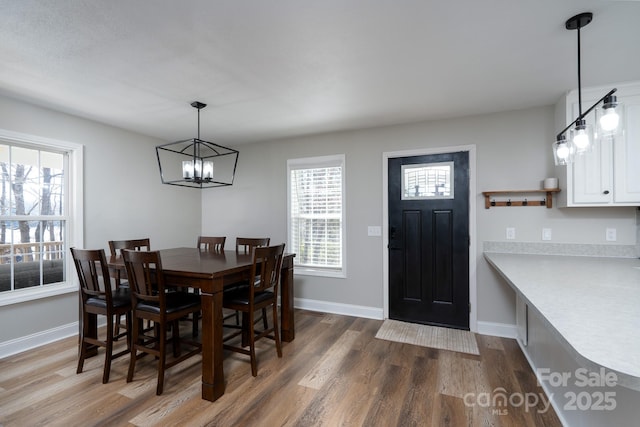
(264, 318)
(252, 345)
(137, 325)
(108, 350)
(129, 336)
(245, 329)
(196, 318)
(276, 330)
(116, 326)
(162, 338)
(83, 344)
(175, 338)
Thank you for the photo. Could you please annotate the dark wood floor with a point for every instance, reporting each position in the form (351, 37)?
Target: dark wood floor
(334, 373)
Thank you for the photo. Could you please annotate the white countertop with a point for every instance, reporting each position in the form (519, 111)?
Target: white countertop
(591, 303)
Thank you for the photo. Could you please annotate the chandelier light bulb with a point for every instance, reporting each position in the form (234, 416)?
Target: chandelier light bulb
(581, 139)
(562, 151)
(197, 169)
(610, 119)
(207, 170)
(581, 136)
(187, 169)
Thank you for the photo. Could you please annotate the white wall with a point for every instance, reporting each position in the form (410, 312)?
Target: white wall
(123, 198)
(513, 152)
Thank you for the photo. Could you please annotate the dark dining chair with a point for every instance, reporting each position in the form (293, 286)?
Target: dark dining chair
(261, 293)
(151, 301)
(245, 245)
(99, 299)
(115, 248)
(211, 244)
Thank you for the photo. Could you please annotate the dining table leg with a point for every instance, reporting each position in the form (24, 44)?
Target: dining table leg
(212, 353)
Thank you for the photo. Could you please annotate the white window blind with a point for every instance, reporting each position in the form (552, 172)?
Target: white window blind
(316, 213)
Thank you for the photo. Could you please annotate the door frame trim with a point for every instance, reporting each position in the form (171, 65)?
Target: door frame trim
(471, 149)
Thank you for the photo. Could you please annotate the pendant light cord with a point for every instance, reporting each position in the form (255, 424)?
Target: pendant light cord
(579, 79)
(197, 146)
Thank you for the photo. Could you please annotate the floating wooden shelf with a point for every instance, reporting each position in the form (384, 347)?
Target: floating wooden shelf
(490, 201)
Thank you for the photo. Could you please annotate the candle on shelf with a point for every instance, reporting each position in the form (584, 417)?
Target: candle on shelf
(550, 183)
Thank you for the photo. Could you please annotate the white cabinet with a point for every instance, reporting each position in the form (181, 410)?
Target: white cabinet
(610, 174)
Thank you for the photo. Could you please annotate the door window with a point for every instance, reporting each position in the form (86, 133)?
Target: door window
(427, 181)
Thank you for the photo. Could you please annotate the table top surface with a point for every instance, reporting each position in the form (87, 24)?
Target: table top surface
(199, 262)
(591, 302)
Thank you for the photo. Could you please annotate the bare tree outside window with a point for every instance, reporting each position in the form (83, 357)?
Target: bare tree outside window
(31, 218)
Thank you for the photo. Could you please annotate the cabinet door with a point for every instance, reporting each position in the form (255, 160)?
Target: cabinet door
(626, 155)
(591, 175)
(591, 172)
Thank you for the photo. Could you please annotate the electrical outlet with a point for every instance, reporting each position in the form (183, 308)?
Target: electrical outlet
(546, 234)
(511, 233)
(611, 235)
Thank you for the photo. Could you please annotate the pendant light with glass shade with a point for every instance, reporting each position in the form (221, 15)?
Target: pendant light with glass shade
(581, 135)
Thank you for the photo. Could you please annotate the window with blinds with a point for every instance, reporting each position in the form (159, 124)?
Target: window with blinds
(316, 214)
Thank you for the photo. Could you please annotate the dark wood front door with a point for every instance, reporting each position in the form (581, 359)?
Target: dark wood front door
(429, 239)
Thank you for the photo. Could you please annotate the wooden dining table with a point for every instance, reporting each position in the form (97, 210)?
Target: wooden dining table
(210, 272)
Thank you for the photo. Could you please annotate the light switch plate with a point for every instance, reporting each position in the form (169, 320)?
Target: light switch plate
(546, 234)
(374, 230)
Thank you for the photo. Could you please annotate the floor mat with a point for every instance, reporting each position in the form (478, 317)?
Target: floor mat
(428, 336)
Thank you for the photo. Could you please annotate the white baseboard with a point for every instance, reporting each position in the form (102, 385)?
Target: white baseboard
(503, 330)
(21, 344)
(18, 345)
(339, 308)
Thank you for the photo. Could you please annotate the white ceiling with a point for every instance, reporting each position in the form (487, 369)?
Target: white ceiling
(281, 68)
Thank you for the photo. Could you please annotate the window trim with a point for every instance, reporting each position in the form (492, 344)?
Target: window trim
(74, 214)
(319, 162)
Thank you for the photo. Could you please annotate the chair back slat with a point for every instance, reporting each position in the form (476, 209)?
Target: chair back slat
(211, 244)
(267, 263)
(93, 273)
(116, 246)
(144, 271)
(247, 244)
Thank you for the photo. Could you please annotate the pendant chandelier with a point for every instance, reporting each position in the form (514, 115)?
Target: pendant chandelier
(196, 163)
(582, 136)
